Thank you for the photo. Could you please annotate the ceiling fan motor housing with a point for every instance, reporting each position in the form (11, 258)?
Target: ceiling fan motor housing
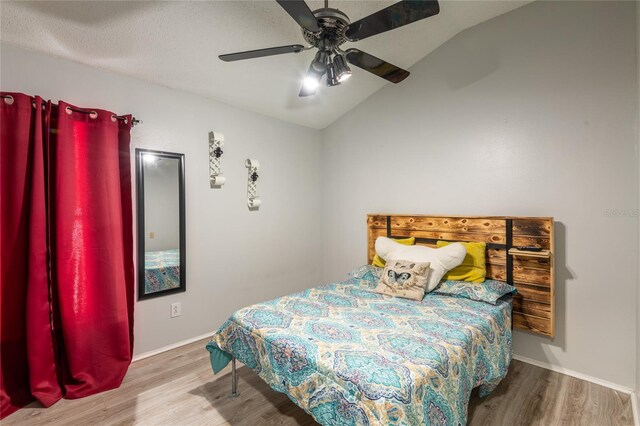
(333, 24)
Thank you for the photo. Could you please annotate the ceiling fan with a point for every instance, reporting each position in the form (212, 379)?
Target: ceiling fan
(326, 29)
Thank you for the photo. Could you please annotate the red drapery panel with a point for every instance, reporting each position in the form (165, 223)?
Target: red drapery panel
(66, 249)
(24, 130)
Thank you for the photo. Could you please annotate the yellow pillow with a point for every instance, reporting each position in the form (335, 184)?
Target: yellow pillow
(473, 267)
(380, 262)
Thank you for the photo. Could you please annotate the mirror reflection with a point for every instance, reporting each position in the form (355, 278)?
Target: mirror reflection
(161, 222)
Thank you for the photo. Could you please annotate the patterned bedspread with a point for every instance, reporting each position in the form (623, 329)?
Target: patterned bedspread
(349, 356)
(161, 270)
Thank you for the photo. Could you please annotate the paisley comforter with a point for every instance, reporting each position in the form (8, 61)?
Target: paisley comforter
(349, 356)
(161, 270)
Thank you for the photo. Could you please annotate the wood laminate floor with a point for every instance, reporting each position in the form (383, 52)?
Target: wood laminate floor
(178, 388)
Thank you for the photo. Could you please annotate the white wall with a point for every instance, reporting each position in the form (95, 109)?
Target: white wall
(231, 261)
(531, 113)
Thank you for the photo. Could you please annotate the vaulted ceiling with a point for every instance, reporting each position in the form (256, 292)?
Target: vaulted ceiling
(176, 44)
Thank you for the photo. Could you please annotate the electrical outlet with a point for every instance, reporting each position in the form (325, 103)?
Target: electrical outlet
(176, 309)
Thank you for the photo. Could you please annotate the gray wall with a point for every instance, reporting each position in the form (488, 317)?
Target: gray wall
(161, 205)
(531, 113)
(231, 261)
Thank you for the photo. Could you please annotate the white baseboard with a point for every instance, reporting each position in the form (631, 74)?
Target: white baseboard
(172, 346)
(634, 406)
(576, 374)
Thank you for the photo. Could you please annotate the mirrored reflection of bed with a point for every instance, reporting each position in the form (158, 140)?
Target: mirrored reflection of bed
(161, 270)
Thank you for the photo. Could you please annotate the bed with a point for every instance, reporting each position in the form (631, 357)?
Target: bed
(161, 270)
(350, 356)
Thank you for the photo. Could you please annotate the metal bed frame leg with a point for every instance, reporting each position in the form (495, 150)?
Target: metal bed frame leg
(234, 379)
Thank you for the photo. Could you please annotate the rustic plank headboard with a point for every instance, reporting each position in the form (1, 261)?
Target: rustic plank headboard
(530, 272)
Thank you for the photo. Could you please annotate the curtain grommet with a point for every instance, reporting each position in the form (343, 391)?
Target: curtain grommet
(93, 115)
(68, 110)
(114, 118)
(8, 99)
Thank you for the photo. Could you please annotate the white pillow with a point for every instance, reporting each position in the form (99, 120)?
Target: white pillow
(441, 260)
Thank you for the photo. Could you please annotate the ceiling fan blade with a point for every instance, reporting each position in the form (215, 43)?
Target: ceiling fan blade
(301, 13)
(376, 66)
(270, 51)
(392, 17)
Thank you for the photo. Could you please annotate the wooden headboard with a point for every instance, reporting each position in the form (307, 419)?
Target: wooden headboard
(530, 272)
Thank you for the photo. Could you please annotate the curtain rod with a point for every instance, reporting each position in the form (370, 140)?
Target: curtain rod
(134, 121)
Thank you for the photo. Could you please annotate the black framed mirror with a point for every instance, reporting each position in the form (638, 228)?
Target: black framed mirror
(161, 223)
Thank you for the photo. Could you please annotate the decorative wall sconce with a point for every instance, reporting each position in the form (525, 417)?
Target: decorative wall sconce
(253, 201)
(216, 178)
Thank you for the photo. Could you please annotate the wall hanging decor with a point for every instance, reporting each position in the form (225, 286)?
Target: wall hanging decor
(253, 201)
(216, 178)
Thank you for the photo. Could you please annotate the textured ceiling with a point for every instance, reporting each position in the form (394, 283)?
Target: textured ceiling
(176, 44)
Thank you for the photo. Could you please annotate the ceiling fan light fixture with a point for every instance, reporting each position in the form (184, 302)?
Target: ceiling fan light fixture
(319, 63)
(332, 76)
(344, 77)
(311, 83)
(343, 71)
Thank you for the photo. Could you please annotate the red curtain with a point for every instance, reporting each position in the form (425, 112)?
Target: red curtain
(66, 246)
